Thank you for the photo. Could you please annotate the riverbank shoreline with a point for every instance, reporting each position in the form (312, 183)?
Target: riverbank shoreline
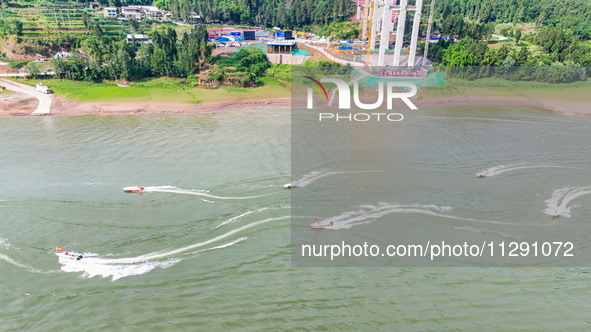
(69, 108)
(566, 107)
(63, 107)
(22, 103)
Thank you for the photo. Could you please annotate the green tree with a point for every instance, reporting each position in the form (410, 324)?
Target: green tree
(252, 61)
(457, 56)
(162, 4)
(97, 31)
(523, 55)
(517, 37)
(32, 69)
(133, 25)
(158, 63)
(95, 49)
(217, 75)
(186, 63)
(86, 19)
(18, 28)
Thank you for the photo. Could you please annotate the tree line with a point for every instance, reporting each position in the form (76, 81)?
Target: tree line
(288, 14)
(553, 45)
(243, 68)
(574, 15)
(166, 56)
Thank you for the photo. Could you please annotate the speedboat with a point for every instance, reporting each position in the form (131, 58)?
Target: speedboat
(482, 174)
(556, 212)
(291, 184)
(317, 224)
(133, 189)
(68, 256)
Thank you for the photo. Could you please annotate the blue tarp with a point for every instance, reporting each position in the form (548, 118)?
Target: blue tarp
(222, 39)
(235, 33)
(345, 48)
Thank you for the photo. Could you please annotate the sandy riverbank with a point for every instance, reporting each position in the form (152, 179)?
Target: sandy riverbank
(63, 107)
(44, 101)
(570, 107)
(66, 107)
(21, 105)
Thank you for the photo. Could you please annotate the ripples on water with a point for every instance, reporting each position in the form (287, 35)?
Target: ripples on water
(207, 246)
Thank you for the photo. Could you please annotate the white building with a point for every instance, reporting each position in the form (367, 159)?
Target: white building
(139, 12)
(110, 12)
(138, 38)
(62, 55)
(131, 12)
(151, 11)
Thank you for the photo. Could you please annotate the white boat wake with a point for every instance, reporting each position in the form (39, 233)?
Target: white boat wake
(236, 218)
(369, 213)
(5, 244)
(500, 169)
(9, 260)
(196, 192)
(557, 205)
(313, 176)
(116, 268)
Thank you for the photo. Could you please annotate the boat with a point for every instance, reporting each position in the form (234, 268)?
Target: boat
(68, 256)
(316, 224)
(290, 185)
(133, 189)
(556, 211)
(482, 174)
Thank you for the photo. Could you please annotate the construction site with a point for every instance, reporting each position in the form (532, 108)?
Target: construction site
(391, 32)
(384, 29)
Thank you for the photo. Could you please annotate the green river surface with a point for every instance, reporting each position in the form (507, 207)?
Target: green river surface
(207, 245)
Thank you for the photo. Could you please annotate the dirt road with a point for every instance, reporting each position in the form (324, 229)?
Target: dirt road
(44, 106)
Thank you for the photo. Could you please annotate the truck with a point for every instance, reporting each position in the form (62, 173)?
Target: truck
(42, 88)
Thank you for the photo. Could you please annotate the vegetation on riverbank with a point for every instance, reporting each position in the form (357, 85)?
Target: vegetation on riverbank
(159, 90)
(496, 87)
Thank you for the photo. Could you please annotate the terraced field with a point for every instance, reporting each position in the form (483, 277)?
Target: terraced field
(54, 22)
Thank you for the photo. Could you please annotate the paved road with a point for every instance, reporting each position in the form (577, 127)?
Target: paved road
(44, 106)
(24, 74)
(13, 75)
(499, 37)
(328, 55)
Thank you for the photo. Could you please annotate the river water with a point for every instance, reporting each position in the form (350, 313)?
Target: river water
(207, 245)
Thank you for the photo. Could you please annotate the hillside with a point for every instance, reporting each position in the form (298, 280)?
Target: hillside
(574, 15)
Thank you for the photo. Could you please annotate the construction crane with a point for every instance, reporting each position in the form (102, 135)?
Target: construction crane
(365, 13)
(369, 36)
